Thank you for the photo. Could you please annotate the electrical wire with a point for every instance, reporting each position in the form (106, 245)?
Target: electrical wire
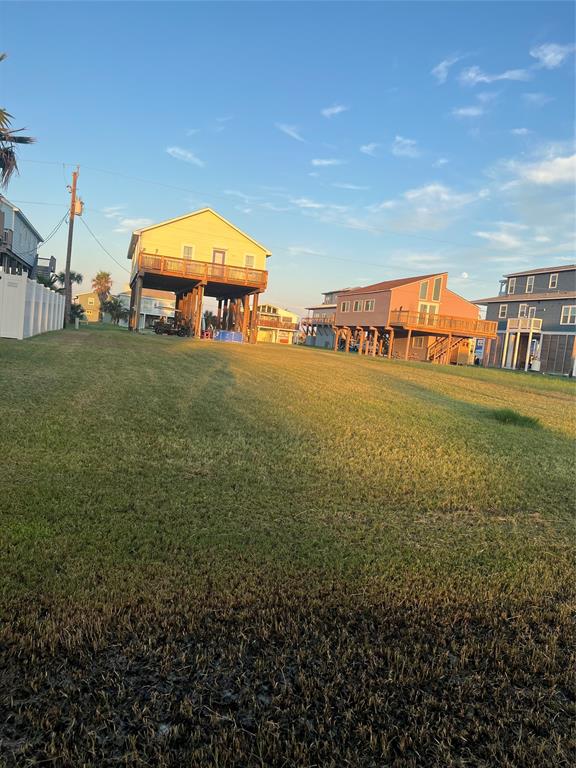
(106, 251)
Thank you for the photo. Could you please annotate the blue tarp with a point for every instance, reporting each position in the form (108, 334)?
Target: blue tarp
(234, 336)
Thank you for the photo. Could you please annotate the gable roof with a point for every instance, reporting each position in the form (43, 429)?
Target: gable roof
(26, 221)
(387, 285)
(540, 270)
(526, 298)
(138, 232)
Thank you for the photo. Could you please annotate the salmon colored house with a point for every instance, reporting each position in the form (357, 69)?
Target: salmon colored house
(413, 318)
(196, 255)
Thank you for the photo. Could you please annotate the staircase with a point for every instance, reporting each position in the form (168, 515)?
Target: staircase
(441, 347)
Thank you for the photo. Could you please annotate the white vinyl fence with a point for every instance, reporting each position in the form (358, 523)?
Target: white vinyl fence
(28, 308)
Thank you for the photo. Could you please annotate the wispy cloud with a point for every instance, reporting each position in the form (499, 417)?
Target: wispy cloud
(552, 55)
(553, 170)
(474, 75)
(325, 162)
(537, 99)
(520, 131)
(290, 130)
(192, 131)
(440, 71)
(501, 239)
(113, 211)
(402, 147)
(335, 109)
(473, 111)
(369, 149)
(440, 162)
(125, 225)
(178, 153)
(345, 185)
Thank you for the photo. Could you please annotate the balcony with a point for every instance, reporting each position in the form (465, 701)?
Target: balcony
(527, 324)
(202, 271)
(266, 321)
(445, 324)
(323, 319)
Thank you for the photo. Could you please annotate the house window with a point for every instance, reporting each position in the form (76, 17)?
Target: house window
(523, 310)
(345, 306)
(531, 311)
(90, 302)
(249, 261)
(187, 251)
(357, 306)
(424, 289)
(436, 289)
(511, 285)
(369, 305)
(218, 256)
(530, 284)
(553, 281)
(568, 316)
(418, 342)
(503, 311)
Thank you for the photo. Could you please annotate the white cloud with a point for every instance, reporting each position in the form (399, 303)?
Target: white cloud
(345, 185)
(305, 202)
(520, 131)
(440, 71)
(500, 239)
(130, 225)
(290, 130)
(178, 153)
(552, 55)
(487, 96)
(474, 75)
(369, 149)
(474, 111)
(321, 163)
(113, 211)
(553, 170)
(440, 162)
(336, 109)
(402, 147)
(537, 99)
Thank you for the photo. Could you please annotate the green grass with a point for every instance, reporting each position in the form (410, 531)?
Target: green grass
(235, 555)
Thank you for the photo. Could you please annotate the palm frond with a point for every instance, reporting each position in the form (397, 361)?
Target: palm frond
(8, 165)
(11, 137)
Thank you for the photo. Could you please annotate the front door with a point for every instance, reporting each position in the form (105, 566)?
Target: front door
(218, 257)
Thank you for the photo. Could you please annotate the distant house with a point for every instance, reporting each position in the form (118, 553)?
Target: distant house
(91, 305)
(153, 306)
(412, 318)
(319, 325)
(19, 240)
(535, 311)
(276, 325)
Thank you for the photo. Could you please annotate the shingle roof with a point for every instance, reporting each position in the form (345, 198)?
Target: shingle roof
(389, 284)
(540, 270)
(527, 297)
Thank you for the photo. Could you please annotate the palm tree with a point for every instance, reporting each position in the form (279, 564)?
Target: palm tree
(115, 309)
(209, 319)
(8, 140)
(101, 286)
(77, 311)
(56, 281)
(75, 277)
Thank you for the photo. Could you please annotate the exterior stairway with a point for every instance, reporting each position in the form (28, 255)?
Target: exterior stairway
(441, 347)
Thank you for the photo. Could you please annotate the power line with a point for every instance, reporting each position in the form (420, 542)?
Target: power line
(106, 251)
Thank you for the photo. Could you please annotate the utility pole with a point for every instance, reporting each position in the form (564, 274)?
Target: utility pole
(75, 208)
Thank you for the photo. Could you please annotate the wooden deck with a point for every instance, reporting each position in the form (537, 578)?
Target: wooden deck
(445, 324)
(265, 321)
(202, 271)
(328, 319)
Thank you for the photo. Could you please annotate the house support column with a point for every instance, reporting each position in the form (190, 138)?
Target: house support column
(348, 339)
(516, 348)
(254, 319)
(374, 340)
(448, 350)
(505, 350)
(408, 341)
(198, 317)
(246, 306)
(219, 314)
(390, 342)
(135, 301)
(527, 361)
(337, 333)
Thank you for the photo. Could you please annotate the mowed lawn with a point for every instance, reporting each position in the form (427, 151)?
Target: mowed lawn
(228, 555)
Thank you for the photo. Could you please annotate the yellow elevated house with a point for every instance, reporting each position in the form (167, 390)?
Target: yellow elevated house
(196, 255)
(90, 303)
(277, 325)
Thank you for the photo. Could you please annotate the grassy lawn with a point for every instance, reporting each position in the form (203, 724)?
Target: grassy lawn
(266, 556)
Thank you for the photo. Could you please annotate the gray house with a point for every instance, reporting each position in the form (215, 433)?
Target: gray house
(19, 240)
(536, 315)
(319, 325)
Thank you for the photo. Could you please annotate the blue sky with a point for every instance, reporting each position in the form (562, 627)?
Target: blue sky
(357, 141)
